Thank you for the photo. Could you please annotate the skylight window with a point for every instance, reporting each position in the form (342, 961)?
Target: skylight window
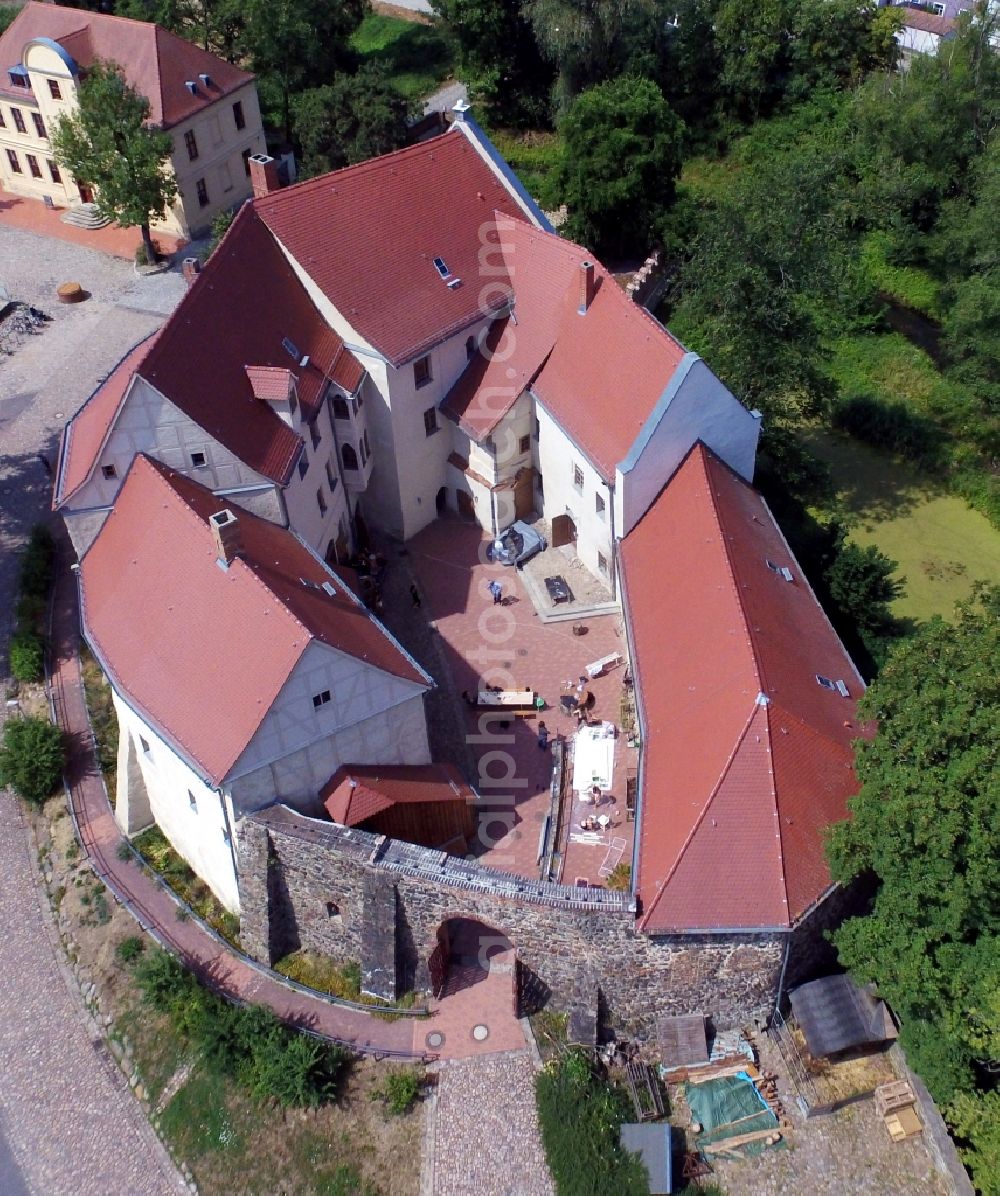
(290, 348)
(441, 266)
(837, 687)
(825, 682)
(781, 570)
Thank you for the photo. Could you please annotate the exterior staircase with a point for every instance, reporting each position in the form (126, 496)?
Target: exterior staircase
(84, 215)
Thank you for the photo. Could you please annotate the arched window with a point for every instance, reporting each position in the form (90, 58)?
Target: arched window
(340, 408)
(350, 457)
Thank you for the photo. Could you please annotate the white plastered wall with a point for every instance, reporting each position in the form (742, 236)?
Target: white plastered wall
(305, 517)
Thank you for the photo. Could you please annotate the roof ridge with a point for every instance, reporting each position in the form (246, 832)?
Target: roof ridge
(696, 825)
(357, 168)
(705, 456)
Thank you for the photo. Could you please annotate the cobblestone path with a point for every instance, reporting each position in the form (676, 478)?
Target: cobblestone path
(484, 1137)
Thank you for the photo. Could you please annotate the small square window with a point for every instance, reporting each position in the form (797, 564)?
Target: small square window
(430, 421)
(202, 188)
(340, 408)
(238, 117)
(144, 745)
(108, 472)
(421, 371)
(39, 124)
(577, 477)
(198, 460)
(321, 500)
(191, 145)
(34, 166)
(321, 699)
(54, 90)
(303, 463)
(599, 505)
(525, 444)
(602, 563)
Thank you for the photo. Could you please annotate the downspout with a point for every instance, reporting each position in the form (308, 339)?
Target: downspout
(229, 836)
(614, 545)
(781, 979)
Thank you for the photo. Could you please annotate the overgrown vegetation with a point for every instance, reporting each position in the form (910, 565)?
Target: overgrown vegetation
(398, 1089)
(580, 1114)
(338, 979)
(248, 1044)
(156, 850)
(31, 758)
(27, 645)
(103, 719)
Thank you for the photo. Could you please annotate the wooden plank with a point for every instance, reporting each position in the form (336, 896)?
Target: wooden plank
(726, 1144)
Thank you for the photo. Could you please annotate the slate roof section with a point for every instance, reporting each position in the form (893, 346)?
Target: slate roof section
(85, 434)
(212, 647)
(574, 364)
(357, 792)
(747, 757)
(368, 235)
(836, 1015)
(155, 62)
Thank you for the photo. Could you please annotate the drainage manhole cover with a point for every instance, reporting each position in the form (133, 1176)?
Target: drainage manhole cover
(435, 1040)
(480, 1033)
(522, 651)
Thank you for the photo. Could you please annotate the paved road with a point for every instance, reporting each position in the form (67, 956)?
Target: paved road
(68, 1123)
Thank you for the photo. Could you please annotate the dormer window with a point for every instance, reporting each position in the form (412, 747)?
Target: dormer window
(321, 699)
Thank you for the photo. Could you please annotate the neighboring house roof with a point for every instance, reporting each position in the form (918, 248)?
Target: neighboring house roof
(85, 434)
(836, 1015)
(747, 758)
(158, 64)
(927, 22)
(201, 651)
(574, 363)
(368, 235)
(231, 323)
(357, 792)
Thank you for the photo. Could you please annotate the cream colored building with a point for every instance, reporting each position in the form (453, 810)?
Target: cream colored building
(209, 107)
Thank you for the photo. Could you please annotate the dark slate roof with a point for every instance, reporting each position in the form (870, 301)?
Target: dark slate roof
(651, 1141)
(835, 1015)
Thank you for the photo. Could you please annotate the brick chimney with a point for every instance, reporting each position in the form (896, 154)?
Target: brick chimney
(190, 269)
(586, 286)
(226, 533)
(263, 175)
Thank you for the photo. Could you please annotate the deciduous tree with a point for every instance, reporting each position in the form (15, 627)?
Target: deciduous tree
(357, 117)
(108, 144)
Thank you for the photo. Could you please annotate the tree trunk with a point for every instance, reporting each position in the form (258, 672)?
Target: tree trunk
(147, 241)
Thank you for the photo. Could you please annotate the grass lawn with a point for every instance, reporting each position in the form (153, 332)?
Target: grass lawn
(417, 56)
(942, 545)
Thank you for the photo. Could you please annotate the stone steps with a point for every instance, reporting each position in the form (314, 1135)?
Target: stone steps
(84, 215)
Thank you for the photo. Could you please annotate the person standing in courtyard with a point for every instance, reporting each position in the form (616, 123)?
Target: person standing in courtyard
(496, 589)
(543, 736)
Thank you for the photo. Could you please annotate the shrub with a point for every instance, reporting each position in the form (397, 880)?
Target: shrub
(891, 426)
(36, 563)
(165, 983)
(398, 1090)
(580, 1115)
(620, 877)
(130, 948)
(27, 656)
(32, 758)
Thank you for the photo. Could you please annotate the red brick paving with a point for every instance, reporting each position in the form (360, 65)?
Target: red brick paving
(18, 211)
(510, 646)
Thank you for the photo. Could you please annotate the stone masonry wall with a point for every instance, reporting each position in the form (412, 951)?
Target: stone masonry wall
(302, 886)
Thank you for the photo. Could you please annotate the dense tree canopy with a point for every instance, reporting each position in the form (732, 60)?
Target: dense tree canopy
(927, 824)
(613, 206)
(357, 117)
(106, 144)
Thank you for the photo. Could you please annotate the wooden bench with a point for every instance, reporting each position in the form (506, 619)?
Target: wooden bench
(597, 667)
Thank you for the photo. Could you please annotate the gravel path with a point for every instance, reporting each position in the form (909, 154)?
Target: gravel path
(485, 1132)
(68, 1123)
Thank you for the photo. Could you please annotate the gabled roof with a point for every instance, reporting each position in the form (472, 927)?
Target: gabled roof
(836, 1015)
(368, 235)
(156, 63)
(238, 314)
(201, 652)
(747, 758)
(927, 22)
(86, 432)
(357, 792)
(599, 374)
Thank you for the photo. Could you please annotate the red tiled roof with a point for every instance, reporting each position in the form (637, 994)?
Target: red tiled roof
(242, 306)
(747, 758)
(212, 647)
(928, 22)
(156, 63)
(573, 363)
(357, 792)
(368, 235)
(86, 431)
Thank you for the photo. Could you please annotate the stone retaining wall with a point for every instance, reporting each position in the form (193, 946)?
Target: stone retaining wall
(302, 885)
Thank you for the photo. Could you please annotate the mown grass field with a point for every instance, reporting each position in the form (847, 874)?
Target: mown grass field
(942, 545)
(417, 56)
